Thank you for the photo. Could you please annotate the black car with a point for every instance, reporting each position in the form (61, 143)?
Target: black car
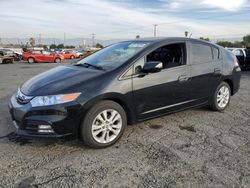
(122, 84)
(243, 56)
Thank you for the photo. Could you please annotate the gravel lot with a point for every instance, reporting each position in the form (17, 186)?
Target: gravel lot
(193, 148)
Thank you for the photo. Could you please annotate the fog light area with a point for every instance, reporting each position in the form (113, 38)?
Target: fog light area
(45, 129)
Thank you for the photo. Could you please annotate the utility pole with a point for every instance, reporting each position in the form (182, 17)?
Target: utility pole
(64, 38)
(93, 39)
(40, 39)
(155, 25)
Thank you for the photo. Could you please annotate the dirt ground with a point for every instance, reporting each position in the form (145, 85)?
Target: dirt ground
(193, 148)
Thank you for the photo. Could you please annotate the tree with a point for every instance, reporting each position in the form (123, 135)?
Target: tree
(186, 33)
(32, 42)
(226, 43)
(52, 46)
(98, 45)
(246, 40)
(137, 36)
(60, 46)
(206, 39)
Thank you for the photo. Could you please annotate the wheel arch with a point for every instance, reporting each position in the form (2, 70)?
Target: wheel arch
(130, 113)
(230, 83)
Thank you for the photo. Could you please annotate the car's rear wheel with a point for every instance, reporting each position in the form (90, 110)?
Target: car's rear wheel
(72, 57)
(221, 97)
(103, 124)
(57, 60)
(31, 60)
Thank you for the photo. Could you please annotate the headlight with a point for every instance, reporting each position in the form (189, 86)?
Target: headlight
(53, 99)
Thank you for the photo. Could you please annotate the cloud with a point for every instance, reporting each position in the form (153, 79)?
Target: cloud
(227, 5)
(230, 5)
(110, 18)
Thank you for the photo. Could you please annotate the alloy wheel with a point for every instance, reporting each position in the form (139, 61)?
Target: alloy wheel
(223, 96)
(106, 126)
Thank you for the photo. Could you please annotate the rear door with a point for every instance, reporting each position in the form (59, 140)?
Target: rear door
(205, 70)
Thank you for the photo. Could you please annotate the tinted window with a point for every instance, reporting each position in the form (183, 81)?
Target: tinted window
(171, 55)
(216, 53)
(201, 53)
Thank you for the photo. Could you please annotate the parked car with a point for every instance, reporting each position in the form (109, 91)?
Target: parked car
(10, 53)
(4, 59)
(37, 56)
(243, 56)
(69, 54)
(124, 83)
(80, 53)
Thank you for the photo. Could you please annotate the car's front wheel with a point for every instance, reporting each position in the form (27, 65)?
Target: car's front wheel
(221, 97)
(103, 124)
(31, 60)
(72, 57)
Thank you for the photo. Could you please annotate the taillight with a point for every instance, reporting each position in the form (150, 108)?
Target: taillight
(236, 62)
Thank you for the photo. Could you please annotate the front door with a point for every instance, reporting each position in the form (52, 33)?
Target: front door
(164, 91)
(48, 57)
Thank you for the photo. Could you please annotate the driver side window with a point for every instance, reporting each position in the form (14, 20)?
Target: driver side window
(172, 55)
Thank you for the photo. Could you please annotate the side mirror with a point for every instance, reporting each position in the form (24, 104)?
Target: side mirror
(152, 66)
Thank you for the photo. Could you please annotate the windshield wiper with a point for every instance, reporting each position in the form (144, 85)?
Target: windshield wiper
(90, 65)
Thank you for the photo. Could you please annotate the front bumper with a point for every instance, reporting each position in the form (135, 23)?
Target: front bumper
(63, 119)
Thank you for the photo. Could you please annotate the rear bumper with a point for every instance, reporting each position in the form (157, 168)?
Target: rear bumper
(236, 80)
(60, 120)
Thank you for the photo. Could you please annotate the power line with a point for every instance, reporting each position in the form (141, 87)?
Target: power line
(176, 22)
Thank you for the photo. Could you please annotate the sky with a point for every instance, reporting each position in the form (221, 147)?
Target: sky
(112, 19)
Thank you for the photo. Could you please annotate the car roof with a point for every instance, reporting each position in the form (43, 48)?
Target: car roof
(166, 39)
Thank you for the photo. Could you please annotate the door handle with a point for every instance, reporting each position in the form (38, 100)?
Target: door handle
(217, 71)
(183, 78)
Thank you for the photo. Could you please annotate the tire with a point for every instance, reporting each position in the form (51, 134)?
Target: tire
(72, 57)
(31, 60)
(58, 60)
(221, 97)
(99, 132)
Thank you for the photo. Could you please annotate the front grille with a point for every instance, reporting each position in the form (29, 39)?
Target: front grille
(21, 98)
(22, 101)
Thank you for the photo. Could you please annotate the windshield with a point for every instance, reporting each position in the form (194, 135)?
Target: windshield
(115, 55)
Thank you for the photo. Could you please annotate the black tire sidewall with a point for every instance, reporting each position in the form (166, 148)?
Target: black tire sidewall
(215, 105)
(72, 57)
(86, 126)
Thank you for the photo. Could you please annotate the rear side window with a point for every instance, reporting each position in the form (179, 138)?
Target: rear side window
(201, 53)
(216, 53)
(37, 52)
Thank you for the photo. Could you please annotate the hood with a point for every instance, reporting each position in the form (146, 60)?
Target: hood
(58, 80)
